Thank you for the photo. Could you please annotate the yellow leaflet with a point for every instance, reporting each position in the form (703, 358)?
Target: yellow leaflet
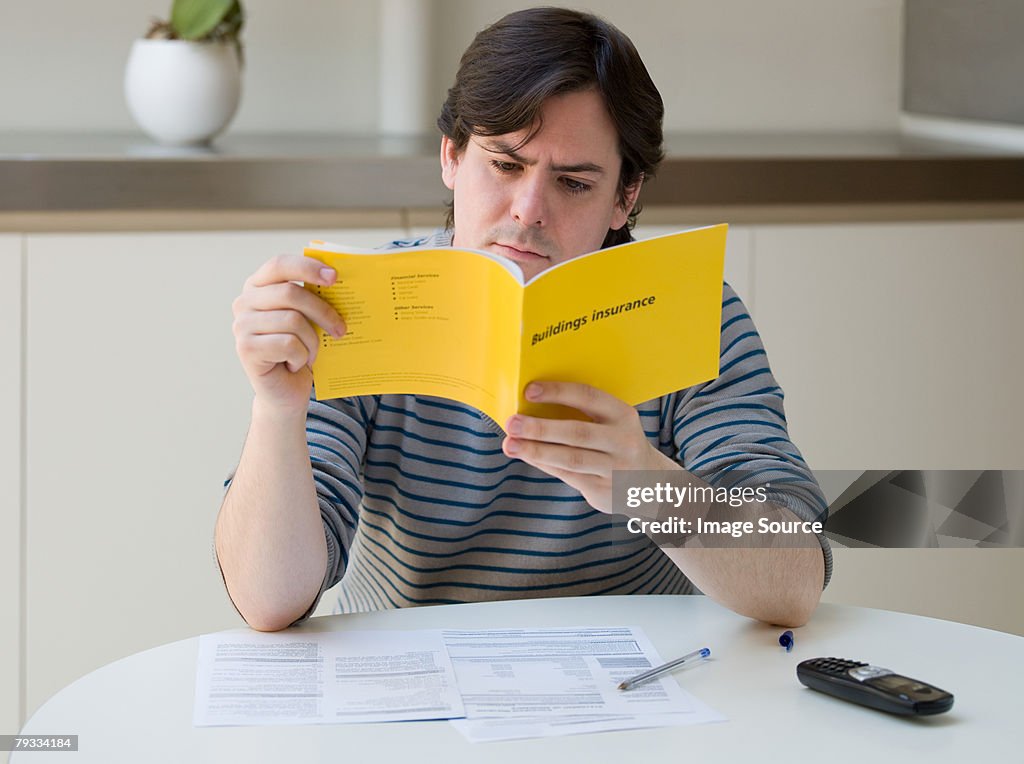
(440, 322)
(638, 321)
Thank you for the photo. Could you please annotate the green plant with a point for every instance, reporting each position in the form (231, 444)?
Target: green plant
(202, 21)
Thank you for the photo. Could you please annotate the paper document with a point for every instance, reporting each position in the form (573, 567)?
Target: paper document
(507, 683)
(324, 678)
(542, 682)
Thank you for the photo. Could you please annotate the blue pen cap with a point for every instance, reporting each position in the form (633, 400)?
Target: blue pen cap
(786, 640)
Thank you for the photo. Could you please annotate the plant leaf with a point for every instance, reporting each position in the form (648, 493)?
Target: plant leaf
(232, 23)
(194, 19)
(232, 28)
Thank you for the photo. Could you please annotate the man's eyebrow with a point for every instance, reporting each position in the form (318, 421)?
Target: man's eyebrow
(498, 147)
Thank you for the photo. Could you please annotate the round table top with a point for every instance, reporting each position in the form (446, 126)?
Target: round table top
(139, 709)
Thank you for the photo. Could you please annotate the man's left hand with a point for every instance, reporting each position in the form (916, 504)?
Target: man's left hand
(583, 454)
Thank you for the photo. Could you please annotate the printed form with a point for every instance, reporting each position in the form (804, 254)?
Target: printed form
(493, 684)
(324, 678)
(521, 683)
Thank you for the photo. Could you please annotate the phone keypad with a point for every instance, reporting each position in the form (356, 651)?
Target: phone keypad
(834, 666)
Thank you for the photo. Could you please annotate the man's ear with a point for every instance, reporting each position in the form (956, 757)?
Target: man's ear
(621, 214)
(449, 162)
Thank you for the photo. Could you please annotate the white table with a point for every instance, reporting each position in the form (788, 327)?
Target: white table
(139, 709)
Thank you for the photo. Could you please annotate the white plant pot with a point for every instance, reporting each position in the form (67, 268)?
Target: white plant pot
(180, 92)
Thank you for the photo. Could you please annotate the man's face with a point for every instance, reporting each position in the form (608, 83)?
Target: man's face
(548, 201)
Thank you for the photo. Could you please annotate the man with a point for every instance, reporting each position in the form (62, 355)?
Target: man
(548, 134)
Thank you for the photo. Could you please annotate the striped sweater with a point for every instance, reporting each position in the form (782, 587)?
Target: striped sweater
(420, 506)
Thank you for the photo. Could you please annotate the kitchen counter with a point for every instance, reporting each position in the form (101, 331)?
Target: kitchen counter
(46, 176)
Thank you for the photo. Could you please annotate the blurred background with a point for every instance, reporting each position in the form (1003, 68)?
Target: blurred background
(313, 66)
(868, 155)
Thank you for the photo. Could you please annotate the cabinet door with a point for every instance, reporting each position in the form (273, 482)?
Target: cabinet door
(137, 410)
(898, 346)
(10, 481)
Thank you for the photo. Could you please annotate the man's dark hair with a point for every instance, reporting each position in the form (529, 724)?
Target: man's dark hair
(513, 66)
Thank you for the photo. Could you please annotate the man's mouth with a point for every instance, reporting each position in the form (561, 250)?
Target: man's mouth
(517, 254)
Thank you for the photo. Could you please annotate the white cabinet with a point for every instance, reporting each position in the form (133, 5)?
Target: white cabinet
(10, 480)
(137, 408)
(898, 345)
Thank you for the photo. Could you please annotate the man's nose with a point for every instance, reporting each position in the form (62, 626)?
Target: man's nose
(529, 205)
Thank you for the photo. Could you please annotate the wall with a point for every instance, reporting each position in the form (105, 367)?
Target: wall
(11, 473)
(964, 59)
(722, 65)
(737, 65)
(309, 65)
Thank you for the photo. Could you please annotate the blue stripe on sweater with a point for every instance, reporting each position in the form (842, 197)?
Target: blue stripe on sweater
(498, 568)
(485, 531)
(499, 587)
(538, 480)
(495, 550)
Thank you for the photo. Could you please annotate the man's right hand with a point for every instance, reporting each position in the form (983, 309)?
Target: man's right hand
(274, 336)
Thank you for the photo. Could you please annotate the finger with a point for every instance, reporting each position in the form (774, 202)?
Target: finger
(579, 460)
(287, 296)
(589, 486)
(595, 403)
(263, 352)
(570, 432)
(577, 480)
(261, 322)
(292, 268)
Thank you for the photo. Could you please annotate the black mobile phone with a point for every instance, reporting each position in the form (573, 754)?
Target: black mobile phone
(873, 686)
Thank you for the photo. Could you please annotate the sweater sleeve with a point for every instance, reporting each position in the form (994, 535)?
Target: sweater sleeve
(732, 430)
(337, 432)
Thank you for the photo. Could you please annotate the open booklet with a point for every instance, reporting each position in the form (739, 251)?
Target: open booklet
(638, 321)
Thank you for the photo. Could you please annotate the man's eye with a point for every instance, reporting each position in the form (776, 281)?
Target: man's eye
(503, 167)
(574, 186)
